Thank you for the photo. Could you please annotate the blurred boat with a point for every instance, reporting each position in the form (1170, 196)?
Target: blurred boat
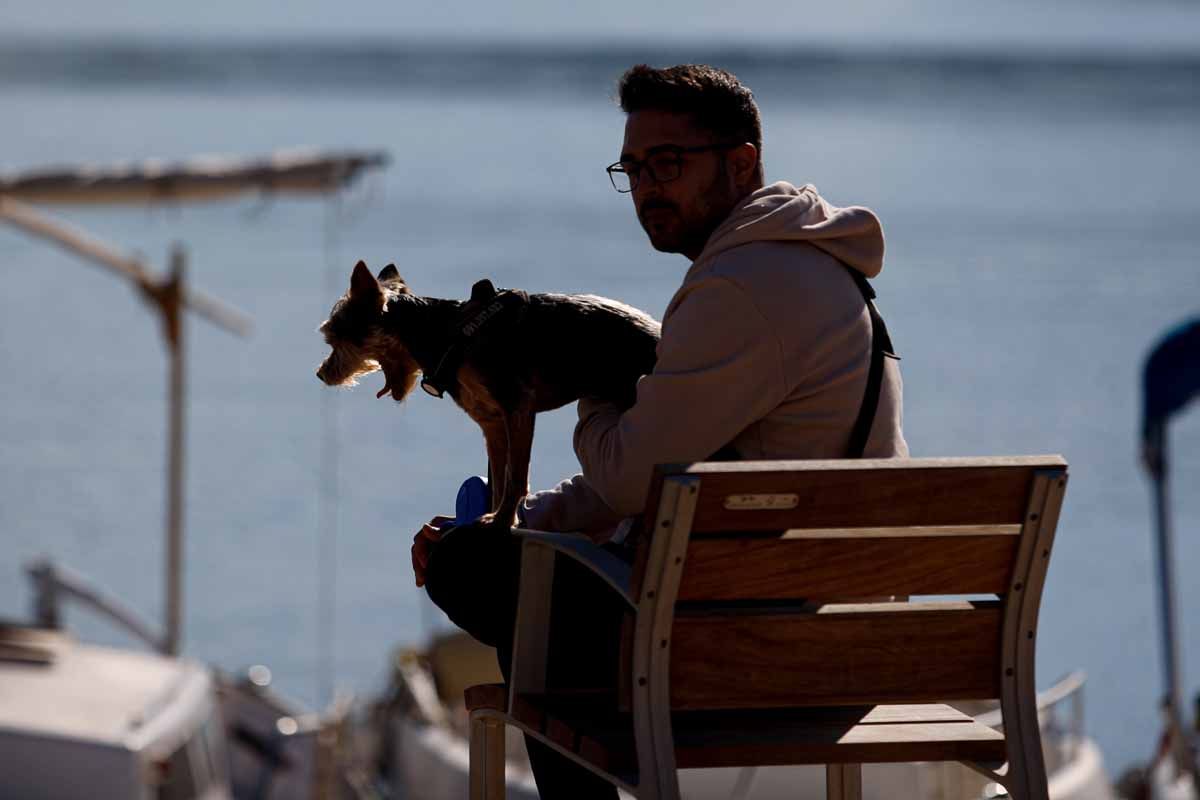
(83, 721)
(420, 732)
(79, 720)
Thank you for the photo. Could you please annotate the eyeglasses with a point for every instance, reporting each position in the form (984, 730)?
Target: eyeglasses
(663, 164)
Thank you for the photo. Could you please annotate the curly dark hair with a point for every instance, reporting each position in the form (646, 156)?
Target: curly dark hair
(715, 98)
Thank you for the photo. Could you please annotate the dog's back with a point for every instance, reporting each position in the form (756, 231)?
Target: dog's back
(584, 345)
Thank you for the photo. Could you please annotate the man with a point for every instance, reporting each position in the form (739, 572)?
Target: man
(765, 353)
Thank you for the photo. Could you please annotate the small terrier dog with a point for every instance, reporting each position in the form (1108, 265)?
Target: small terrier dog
(502, 357)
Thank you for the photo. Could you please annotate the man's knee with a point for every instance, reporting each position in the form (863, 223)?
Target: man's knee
(473, 576)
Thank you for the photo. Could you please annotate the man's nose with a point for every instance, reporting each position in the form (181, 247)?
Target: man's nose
(647, 186)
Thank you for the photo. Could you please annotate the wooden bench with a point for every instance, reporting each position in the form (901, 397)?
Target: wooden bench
(770, 622)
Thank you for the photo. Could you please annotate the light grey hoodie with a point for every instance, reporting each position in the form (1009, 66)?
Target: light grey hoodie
(766, 346)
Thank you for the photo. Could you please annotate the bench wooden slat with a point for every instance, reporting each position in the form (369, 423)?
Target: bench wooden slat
(869, 496)
(744, 568)
(854, 465)
(562, 733)
(910, 532)
(585, 724)
(529, 714)
(921, 652)
(870, 734)
(766, 744)
(913, 713)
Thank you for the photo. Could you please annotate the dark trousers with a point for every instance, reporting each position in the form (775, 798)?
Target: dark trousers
(473, 575)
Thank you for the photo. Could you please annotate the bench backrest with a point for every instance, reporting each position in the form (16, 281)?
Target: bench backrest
(767, 584)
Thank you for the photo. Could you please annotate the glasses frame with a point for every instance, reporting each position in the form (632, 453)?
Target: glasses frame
(617, 168)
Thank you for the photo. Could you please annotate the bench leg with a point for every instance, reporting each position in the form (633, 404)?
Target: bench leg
(843, 782)
(487, 757)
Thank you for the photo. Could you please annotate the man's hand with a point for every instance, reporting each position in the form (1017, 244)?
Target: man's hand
(429, 535)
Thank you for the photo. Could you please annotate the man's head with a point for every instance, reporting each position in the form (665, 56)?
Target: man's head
(692, 151)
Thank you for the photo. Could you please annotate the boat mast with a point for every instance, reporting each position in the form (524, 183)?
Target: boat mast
(173, 324)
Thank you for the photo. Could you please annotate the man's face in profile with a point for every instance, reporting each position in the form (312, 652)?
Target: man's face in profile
(678, 213)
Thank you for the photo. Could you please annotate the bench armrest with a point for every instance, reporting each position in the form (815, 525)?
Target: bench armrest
(615, 572)
(531, 644)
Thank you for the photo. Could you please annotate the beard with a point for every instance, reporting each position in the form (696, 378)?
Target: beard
(666, 226)
(673, 229)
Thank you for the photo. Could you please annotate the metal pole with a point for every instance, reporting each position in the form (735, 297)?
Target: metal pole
(1180, 741)
(173, 321)
(38, 223)
(53, 584)
(1166, 589)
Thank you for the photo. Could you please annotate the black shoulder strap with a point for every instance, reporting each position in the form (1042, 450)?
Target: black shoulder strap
(881, 347)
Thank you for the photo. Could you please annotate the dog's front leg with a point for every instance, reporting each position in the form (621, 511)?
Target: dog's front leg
(519, 425)
(495, 438)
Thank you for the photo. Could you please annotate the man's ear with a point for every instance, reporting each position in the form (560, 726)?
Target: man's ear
(363, 285)
(743, 163)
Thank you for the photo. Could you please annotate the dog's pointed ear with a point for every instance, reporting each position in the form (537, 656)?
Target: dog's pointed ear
(363, 283)
(483, 290)
(390, 273)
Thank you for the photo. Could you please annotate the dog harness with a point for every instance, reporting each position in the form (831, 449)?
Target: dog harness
(505, 303)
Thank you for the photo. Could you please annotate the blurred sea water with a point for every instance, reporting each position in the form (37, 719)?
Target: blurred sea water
(1041, 217)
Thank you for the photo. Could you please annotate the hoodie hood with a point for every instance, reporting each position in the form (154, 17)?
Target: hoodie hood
(782, 212)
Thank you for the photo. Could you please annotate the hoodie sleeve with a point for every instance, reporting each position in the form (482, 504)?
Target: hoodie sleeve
(719, 370)
(571, 506)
